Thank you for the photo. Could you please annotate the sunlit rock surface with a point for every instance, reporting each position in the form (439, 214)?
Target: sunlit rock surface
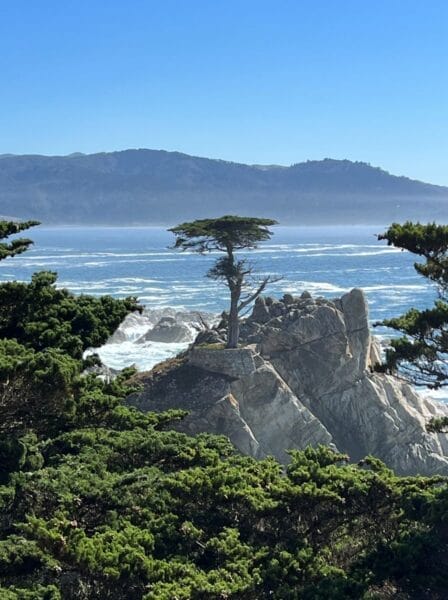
(303, 376)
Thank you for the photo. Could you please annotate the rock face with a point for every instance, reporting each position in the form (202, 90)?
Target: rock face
(303, 376)
(233, 363)
(245, 400)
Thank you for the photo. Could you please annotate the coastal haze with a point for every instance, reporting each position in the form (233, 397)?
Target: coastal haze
(155, 187)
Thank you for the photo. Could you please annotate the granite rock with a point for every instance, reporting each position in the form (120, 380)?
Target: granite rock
(303, 376)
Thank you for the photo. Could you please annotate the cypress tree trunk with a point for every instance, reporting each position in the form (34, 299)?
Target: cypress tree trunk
(234, 325)
(233, 330)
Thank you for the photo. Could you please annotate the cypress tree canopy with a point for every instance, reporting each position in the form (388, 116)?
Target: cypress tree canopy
(17, 246)
(228, 234)
(232, 231)
(421, 353)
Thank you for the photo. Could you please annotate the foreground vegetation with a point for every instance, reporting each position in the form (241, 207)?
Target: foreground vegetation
(98, 500)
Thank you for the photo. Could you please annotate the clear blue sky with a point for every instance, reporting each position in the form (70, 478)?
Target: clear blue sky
(255, 81)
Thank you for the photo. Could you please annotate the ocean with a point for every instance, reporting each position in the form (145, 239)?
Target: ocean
(138, 261)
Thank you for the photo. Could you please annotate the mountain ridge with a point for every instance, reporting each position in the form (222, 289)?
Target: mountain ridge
(144, 186)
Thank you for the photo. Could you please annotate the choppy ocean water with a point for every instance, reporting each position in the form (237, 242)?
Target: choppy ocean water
(326, 261)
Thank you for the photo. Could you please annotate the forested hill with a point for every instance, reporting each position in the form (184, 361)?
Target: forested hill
(158, 187)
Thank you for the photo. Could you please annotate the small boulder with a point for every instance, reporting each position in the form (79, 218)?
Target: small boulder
(209, 336)
(260, 313)
(276, 309)
(167, 330)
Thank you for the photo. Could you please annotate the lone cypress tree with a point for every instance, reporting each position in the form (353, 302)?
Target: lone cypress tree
(229, 234)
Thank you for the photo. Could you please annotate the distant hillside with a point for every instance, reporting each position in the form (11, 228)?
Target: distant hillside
(158, 187)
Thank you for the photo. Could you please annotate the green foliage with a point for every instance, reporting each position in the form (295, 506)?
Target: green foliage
(437, 425)
(35, 387)
(421, 353)
(38, 592)
(138, 512)
(428, 241)
(228, 234)
(42, 316)
(222, 233)
(18, 245)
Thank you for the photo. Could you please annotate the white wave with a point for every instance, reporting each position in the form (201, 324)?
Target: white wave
(369, 253)
(166, 260)
(367, 270)
(98, 255)
(81, 286)
(132, 280)
(278, 246)
(441, 395)
(313, 254)
(143, 356)
(312, 286)
(323, 247)
(132, 328)
(155, 300)
(122, 350)
(393, 287)
(45, 264)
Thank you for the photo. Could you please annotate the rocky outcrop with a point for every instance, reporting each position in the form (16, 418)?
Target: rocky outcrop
(245, 400)
(165, 325)
(234, 363)
(168, 331)
(303, 376)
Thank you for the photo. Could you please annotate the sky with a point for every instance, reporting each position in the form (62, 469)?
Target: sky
(254, 81)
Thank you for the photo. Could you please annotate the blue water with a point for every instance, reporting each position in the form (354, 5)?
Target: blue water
(327, 261)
